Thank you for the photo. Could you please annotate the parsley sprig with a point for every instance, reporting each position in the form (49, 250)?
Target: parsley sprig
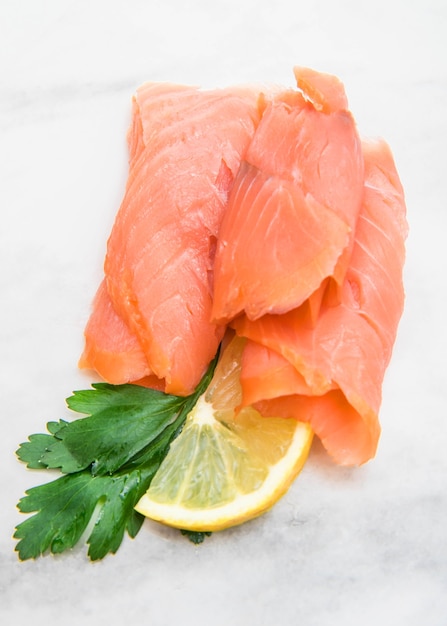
(107, 461)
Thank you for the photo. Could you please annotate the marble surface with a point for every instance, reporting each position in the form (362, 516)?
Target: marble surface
(345, 546)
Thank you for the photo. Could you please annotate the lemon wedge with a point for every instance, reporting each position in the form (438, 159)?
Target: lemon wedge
(225, 467)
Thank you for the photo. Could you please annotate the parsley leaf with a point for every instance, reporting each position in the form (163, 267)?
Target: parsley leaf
(196, 536)
(122, 421)
(108, 460)
(66, 505)
(32, 451)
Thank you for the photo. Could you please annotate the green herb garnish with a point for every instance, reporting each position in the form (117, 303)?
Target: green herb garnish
(107, 459)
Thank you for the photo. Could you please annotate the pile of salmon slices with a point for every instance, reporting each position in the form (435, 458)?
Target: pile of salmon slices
(259, 214)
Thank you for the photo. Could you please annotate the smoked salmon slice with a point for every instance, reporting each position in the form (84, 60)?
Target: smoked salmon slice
(293, 208)
(263, 212)
(331, 373)
(185, 148)
(110, 348)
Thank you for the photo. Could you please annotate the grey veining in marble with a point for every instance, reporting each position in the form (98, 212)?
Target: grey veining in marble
(345, 546)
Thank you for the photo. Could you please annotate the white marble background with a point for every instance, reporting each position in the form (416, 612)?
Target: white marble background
(344, 547)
